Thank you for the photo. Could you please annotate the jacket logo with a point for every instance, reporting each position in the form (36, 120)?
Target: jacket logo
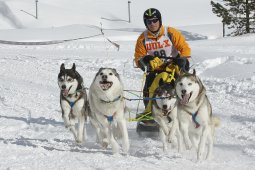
(157, 45)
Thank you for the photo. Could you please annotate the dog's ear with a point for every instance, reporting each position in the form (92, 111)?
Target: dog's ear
(62, 67)
(74, 67)
(115, 73)
(114, 70)
(194, 72)
(99, 71)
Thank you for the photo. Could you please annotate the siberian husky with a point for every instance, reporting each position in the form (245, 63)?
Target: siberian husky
(164, 111)
(73, 101)
(197, 123)
(107, 106)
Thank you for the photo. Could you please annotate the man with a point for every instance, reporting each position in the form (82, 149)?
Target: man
(158, 42)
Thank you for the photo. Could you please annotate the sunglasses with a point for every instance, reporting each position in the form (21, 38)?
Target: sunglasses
(151, 21)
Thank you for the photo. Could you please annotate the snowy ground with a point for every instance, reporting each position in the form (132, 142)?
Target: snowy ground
(32, 133)
(33, 136)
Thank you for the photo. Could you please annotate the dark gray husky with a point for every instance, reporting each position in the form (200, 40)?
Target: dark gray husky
(164, 111)
(73, 101)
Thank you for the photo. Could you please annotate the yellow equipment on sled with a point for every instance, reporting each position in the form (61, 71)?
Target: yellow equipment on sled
(167, 74)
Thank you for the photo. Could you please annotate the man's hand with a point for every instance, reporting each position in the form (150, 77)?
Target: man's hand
(145, 61)
(155, 63)
(182, 62)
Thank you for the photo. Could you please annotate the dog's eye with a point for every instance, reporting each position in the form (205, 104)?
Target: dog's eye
(190, 84)
(110, 74)
(101, 74)
(69, 79)
(61, 79)
(181, 84)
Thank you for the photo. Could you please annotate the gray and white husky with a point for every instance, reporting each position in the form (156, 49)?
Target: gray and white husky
(197, 123)
(73, 101)
(164, 111)
(107, 107)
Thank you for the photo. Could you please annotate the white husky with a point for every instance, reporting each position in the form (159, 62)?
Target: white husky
(195, 114)
(73, 101)
(164, 111)
(107, 106)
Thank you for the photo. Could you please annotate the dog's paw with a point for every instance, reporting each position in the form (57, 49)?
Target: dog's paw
(165, 148)
(172, 139)
(69, 126)
(199, 156)
(79, 141)
(125, 148)
(105, 143)
(188, 145)
(115, 149)
(209, 157)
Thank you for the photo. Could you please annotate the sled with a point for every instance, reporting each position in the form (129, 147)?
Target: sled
(147, 125)
(149, 129)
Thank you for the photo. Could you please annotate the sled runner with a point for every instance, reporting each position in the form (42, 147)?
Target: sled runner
(146, 123)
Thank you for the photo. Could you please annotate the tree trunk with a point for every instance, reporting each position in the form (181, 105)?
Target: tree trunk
(247, 12)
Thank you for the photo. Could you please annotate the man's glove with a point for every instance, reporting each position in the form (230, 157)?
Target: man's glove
(182, 62)
(155, 63)
(145, 61)
(151, 61)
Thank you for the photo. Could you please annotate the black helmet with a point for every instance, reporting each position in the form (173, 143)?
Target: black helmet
(152, 13)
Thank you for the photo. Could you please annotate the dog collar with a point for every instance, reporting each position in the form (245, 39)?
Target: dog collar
(114, 100)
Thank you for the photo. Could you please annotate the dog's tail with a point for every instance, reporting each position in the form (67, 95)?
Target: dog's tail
(216, 121)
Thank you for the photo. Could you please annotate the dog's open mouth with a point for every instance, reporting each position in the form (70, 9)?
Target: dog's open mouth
(185, 98)
(165, 111)
(105, 85)
(65, 92)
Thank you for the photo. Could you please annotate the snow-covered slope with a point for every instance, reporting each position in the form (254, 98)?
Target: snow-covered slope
(32, 130)
(58, 13)
(32, 133)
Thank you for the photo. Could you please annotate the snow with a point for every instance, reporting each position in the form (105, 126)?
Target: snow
(32, 133)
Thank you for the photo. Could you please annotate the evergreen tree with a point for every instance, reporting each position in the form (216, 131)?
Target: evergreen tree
(238, 15)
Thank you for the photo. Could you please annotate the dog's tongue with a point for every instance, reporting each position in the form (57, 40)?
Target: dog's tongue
(105, 86)
(65, 92)
(185, 99)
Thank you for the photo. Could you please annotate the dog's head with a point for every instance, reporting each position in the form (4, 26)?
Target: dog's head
(188, 87)
(69, 80)
(167, 101)
(107, 78)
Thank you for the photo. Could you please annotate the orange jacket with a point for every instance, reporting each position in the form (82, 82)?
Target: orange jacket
(177, 39)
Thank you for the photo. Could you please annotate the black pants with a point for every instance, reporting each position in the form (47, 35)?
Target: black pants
(149, 79)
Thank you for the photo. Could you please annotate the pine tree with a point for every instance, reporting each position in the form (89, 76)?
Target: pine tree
(238, 15)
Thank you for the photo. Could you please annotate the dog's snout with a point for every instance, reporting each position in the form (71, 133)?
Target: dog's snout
(63, 87)
(184, 91)
(104, 76)
(164, 106)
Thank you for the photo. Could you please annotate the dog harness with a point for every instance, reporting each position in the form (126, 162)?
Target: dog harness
(73, 103)
(110, 118)
(194, 115)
